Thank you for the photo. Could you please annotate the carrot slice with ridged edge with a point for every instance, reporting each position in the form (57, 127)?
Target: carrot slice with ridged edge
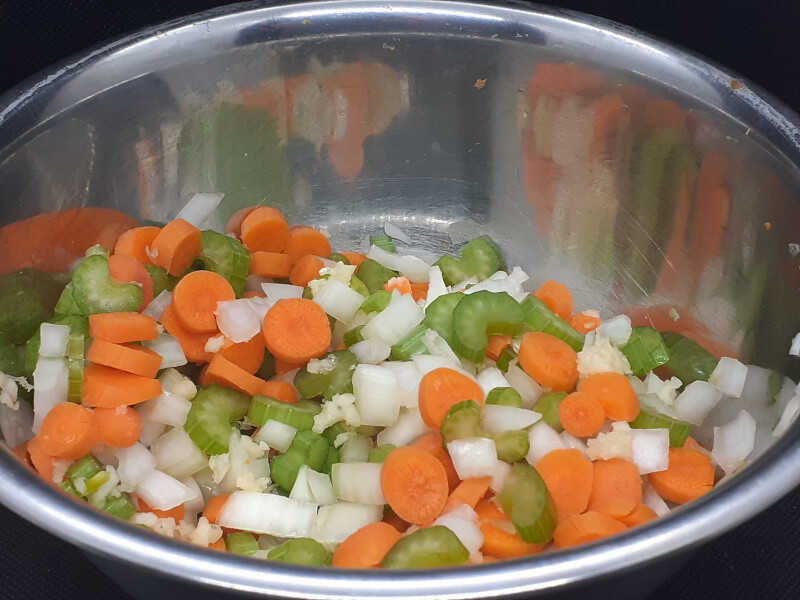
(414, 484)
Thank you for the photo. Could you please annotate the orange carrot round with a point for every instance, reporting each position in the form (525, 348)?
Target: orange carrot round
(265, 230)
(549, 361)
(135, 242)
(582, 529)
(502, 543)
(568, 476)
(234, 224)
(639, 515)
(469, 491)
(557, 297)
(126, 357)
(616, 479)
(253, 294)
(105, 387)
(584, 323)
(279, 390)
(223, 372)
(366, 548)
(497, 343)
(414, 484)
(273, 265)
(296, 330)
(118, 427)
(401, 284)
(442, 388)
(192, 344)
(306, 240)
(218, 546)
(690, 475)
(43, 463)
(177, 513)
(305, 269)
(195, 299)
(355, 258)
(122, 327)
(68, 431)
(419, 291)
(616, 508)
(581, 414)
(176, 246)
(432, 443)
(248, 355)
(214, 507)
(126, 269)
(615, 393)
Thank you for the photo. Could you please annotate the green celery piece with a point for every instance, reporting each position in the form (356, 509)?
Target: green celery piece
(226, 256)
(411, 344)
(95, 292)
(512, 446)
(505, 358)
(774, 384)
(301, 551)
(374, 275)
(504, 396)
(66, 304)
(479, 315)
(463, 420)
(75, 365)
(312, 447)
(383, 241)
(525, 499)
(379, 453)
(353, 336)
(336, 257)
(68, 487)
(479, 258)
(121, 507)
(547, 406)
(678, 430)
(12, 359)
(439, 315)
(77, 324)
(27, 298)
(243, 543)
(337, 381)
(333, 457)
(84, 468)
(213, 411)
(334, 431)
(688, 360)
(99, 250)
(284, 469)
(435, 546)
(359, 286)
(645, 350)
(161, 279)
(300, 415)
(376, 301)
(539, 317)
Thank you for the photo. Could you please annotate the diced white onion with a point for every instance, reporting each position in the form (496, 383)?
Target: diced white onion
(528, 389)
(473, 457)
(260, 307)
(199, 208)
(415, 269)
(570, 441)
(491, 378)
(358, 482)
(282, 291)
(729, 376)
(237, 321)
(169, 409)
(616, 330)
(169, 348)
(408, 428)
(196, 504)
(177, 455)
(394, 322)
(173, 382)
(650, 449)
(396, 232)
(651, 498)
(734, 441)
(356, 448)
(338, 300)
(426, 363)
(788, 416)
(151, 430)
(276, 435)
(335, 523)
(50, 386)
(436, 285)
(157, 305)
(464, 523)
(163, 492)
(311, 486)
(408, 378)
(497, 418)
(371, 351)
(503, 282)
(437, 346)
(269, 514)
(16, 426)
(543, 439)
(135, 463)
(54, 340)
(501, 472)
(697, 400)
(377, 397)
(794, 349)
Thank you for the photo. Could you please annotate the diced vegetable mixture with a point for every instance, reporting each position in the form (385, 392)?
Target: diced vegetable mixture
(257, 393)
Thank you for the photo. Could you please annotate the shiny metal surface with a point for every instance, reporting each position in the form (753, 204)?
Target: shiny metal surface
(642, 177)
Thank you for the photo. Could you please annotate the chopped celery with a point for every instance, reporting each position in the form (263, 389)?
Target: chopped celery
(301, 551)
(688, 360)
(678, 430)
(161, 279)
(505, 358)
(435, 546)
(121, 506)
(525, 499)
(226, 256)
(336, 257)
(68, 487)
(241, 542)
(774, 384)
(645, 350)
(379, 453)
(505, 396)
(374, 275)
(75, 365)
(547, 406)
(353, 336)
(538, 317)
(66, 304)
(337, 377)
(213, 411)
(300, 415)
(84, 468)
(439, 315)
(383, 241)
(511, 446)
(283, 470)
(77, 324)
(333, 457)
(99, 250)
(95, 482)
(27, 298)
(411, 344)
(479, 315)
(334, 431)
(376, 301)
(312, 447)
(479, 258)
(359, 286)
(463, 420)
(95, 292)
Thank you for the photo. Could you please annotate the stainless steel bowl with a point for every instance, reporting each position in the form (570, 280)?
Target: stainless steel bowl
(441, 118)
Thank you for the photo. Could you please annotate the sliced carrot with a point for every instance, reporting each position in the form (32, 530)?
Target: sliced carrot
(557, 297)
(661, 112)
(273, 265)
(568, 476)
(306, 240)
(615, 393)
(248, 355)
(234, 224)
(296, 330)
(219, 545)
(43, 463)
(122, 327)
(214, 507)
(118, 427)
(549, 361)
(639, 515)
(497, 343)
(419, 291)
(176, 246)
(282, 367)
(305, 269)
(265, 230)
(442, 388)
(690, 475)
(126, 357)
(253, 294)
(488, 510)
(615, 478)
(432, 443)
(127, 269)
(195, 299)
(136, 242)
(584, 323)
(224, 372)
(469, 492)
(588, 527)
(616, 508)
(21, 452)
(502, 543)
(192, 344)
(401, 284)
(414, 484)
(581, 414)
(105, 387)
(177, 513)
(68, 431)
(355, 258)
(279, 390)
(366, 548)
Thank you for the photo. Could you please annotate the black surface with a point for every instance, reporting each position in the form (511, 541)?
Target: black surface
(757, 38)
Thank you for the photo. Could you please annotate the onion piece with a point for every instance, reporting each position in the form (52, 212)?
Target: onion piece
(651, 498)
(650, 449)
(794, 349)
(496, 418)
(729, 376)
(163, 492)
(276, 435)
(377, 397)
(696, 401)
(463, 521)
(408, 428)
(199, 208)
(281, 291)
(338, 300)
(311, 486)
(436, 285)
(395, 232)
(734, 441)
(394, 322)
(616, 330)
(16, 426)
(473, 457)
(355, 448)
(528, 389)
(336, 522)
(169, 409)
(54, 340)
(269, 514)
(501, 472)
(358, 482)
(371, 351)
(50, 386)
(491, 378)
(426, 363)
(789, 415)
(177, 455)
(169, 348)
(196, 504)
(237, 320)
(543, 439)
(503, 282)
(157, 305)
(570, 441)
(408, 378)
(413, 268)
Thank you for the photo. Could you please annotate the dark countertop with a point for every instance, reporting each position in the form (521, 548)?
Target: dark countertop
(757, 39)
